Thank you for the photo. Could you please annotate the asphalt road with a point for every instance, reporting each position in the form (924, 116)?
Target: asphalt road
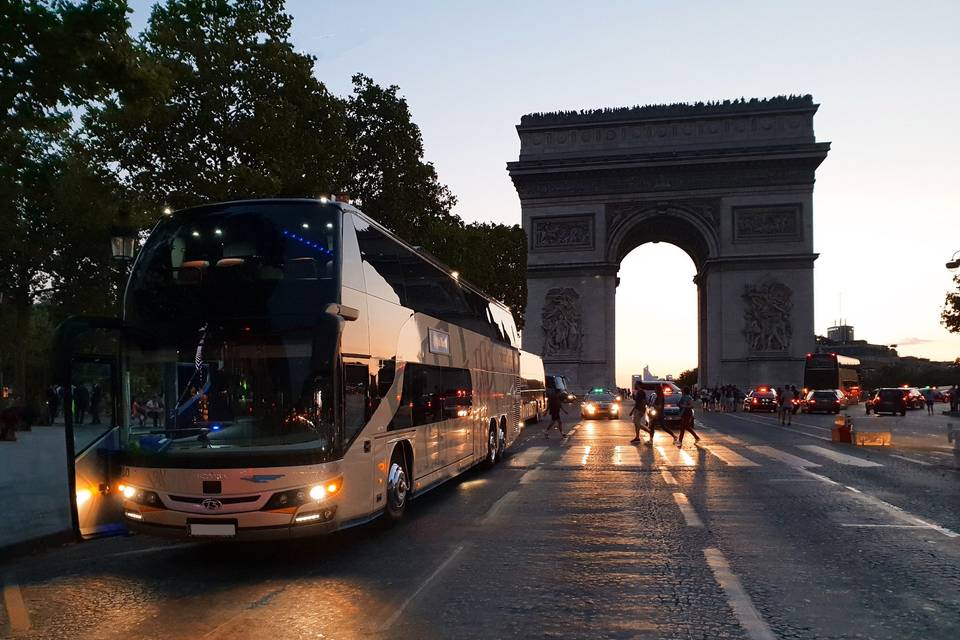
(761, 531)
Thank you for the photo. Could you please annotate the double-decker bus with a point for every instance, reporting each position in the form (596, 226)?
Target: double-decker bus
(832, 371)
(286, 368)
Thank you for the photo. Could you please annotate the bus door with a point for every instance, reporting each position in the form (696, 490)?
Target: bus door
(86, 370)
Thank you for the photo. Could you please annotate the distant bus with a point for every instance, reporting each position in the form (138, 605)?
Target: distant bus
(533, 400)
(832, 371)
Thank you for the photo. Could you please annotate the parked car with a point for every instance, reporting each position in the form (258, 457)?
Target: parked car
(600, 404)
(823, 401)
(887, 400)
(761, 399)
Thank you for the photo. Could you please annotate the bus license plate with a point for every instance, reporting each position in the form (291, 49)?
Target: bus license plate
(214, 530)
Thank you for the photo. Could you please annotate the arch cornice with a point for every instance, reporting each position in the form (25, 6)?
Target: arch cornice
(699, 217)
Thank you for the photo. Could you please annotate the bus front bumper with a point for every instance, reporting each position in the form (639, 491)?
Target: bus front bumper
(249, 525)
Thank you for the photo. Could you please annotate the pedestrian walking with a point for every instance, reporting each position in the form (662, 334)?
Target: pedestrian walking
(786, 405)
(81, 399)
(53, 403)
(929, 396)
(686, 417)
(96, 396)
(554, 407)
(639, 412)
(659, 400)
(953, 399)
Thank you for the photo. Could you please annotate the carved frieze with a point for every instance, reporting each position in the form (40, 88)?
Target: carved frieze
(707, 211)
(683, 178)
(780, 222)
(768, 306)
(562, 233)
(562, 323)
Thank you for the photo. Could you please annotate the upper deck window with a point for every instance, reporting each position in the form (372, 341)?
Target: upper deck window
(239, 260)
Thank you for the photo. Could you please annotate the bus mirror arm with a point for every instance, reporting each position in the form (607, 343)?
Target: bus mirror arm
(347, 313)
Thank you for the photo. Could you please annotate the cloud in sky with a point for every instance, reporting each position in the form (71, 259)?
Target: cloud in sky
(906, 342)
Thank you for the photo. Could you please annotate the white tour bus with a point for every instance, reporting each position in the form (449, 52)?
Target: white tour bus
(286, 368)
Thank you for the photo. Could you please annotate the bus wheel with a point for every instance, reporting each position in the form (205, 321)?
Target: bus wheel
(502, 439)
(398, 487)
(492, 446)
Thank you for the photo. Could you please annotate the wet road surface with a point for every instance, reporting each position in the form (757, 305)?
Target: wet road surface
(761, 531)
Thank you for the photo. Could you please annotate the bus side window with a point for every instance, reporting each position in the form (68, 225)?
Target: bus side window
(381, 264)
(355, 381)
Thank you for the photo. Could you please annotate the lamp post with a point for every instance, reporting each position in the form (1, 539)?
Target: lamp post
(953, 263)
(123, 239)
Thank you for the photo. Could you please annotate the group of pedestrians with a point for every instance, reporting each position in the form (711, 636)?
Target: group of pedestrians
(786, 397)
(655, 420)
(87, 402)
(723, 398)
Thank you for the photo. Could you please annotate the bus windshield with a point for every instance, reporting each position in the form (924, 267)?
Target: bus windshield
(227, 395)
(236, 260)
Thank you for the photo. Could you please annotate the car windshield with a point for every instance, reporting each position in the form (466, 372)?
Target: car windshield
(600, 397)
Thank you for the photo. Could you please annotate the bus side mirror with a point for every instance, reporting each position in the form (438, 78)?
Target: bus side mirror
(347, 313)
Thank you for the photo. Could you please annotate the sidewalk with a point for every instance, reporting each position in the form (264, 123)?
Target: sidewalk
(33, 483)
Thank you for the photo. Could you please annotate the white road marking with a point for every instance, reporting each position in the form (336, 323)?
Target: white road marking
(753, 625)
(676, 457)
(883, 526)
(17, 612)
(728, 456)
(819, 477)
(531, 476)
(574, 455)
(399, 611)
(913, 460)
(782, 456)
(527, 457)
(495, 508)
(902, 515)
(626, 457)
(689, 513)
(782, 428)
(836, 456)
(668, 477)
(941, 453)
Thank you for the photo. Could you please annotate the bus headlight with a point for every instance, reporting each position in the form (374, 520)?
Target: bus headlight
(297, 497)
(140, 496)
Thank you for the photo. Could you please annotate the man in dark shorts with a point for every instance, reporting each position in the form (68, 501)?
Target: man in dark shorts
(554, 407)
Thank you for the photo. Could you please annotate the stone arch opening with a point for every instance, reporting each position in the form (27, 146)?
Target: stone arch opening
(663, 337)
(730, 183)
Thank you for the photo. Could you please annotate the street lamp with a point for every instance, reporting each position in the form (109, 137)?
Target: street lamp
(953, 263)
(123, 239)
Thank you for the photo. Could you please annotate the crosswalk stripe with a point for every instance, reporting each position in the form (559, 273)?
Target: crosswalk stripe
(729, 457)
(526, 458)
(624, 456)
(675, 457)
(782, 456)
(575, 455)
(836, 456)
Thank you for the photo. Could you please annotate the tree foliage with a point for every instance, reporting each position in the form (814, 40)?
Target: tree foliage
(211, 102)
(688, 378)
(950, 314)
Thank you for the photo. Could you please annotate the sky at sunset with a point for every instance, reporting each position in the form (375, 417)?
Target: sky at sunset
(886, 212)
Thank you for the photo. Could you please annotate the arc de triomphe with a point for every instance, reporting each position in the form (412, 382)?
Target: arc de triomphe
(730, 183)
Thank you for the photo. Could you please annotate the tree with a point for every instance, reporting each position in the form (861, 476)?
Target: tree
(56, 57)
(688, 378)
(950, 315)
(237, 113)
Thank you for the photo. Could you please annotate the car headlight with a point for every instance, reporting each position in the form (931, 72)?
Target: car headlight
(590, 408)
(615, 408)
(653, 412)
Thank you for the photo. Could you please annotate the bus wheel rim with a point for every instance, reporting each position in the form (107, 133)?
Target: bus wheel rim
(397, 487)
